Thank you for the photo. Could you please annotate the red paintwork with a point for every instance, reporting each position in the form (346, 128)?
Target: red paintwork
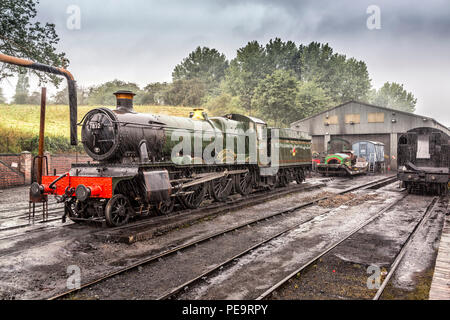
(338, 160)
(316, 161)
(101, 187)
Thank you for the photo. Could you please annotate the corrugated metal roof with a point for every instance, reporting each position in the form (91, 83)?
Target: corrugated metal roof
(369, 105)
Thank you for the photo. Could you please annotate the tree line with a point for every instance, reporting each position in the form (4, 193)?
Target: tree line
(279, 82)
(282, 81)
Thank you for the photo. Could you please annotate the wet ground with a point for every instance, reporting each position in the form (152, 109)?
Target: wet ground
(34, 260)
(344, 272)
(255, 273)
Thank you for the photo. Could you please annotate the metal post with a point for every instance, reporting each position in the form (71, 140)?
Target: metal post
(41, 136)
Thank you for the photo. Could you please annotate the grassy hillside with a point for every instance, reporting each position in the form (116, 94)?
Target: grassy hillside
(19, 125)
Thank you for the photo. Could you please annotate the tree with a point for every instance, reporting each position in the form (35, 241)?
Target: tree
(62, 97)
(155, 93)
(103, 94)
(245, 71)
(350, 81)
(2, 97)
(282, 55)
(224, 104)
(22, 37)
(204, 64)
(315, 61)
(311, 99)
(34, 98)
(275, 97)
(22, 87)
(393, 95)
(342, 79)
(185, 92)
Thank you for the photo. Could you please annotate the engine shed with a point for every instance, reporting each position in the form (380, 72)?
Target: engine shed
(339, 127)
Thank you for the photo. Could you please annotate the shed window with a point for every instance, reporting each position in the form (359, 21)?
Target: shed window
(331, 119)
(376, 117)
(352, 118)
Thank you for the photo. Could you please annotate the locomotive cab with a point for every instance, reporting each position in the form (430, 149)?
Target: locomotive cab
(423, 160)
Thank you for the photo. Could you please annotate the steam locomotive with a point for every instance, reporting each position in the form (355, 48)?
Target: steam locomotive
(138, 169)
(424, 160)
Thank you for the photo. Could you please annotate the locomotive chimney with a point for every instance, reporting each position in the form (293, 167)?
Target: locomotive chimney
(124, 100)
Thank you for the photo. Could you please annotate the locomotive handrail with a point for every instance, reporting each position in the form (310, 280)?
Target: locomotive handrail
(52, 185)
(71, 85)
(413, 167)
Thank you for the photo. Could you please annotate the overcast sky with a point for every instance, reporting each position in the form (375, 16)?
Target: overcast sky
(141, 41)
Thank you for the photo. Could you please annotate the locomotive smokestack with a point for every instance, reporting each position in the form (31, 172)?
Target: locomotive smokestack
(124, 100)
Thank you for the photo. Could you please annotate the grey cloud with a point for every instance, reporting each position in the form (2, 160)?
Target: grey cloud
(148, 38)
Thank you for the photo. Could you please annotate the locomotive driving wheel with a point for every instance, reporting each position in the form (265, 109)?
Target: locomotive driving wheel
(221, 188)
(165, 207)
(118, 210)
(244, 183)
(193, 196)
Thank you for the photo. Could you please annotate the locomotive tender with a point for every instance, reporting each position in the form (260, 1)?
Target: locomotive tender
(145, 163)
(424, 160)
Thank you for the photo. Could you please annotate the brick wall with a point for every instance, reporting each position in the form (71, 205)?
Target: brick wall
(10, 158)
(62, 162)
(9, 176)
(15, 169)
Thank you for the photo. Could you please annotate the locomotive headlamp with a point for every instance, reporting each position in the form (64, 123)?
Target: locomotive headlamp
(82, 192)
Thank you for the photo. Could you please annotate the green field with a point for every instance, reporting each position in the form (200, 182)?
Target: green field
(19, 125)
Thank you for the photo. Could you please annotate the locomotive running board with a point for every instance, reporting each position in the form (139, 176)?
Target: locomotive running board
(209, 177)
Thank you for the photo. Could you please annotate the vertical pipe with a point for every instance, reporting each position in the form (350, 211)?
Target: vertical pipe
(41, 136)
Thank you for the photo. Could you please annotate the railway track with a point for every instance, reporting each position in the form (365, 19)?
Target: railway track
(24, 215)
(177, 249)
(216, 208)
(395, 264)
(406, 245)
(55, 213)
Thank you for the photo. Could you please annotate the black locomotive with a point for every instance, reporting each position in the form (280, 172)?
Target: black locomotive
(423, 160)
